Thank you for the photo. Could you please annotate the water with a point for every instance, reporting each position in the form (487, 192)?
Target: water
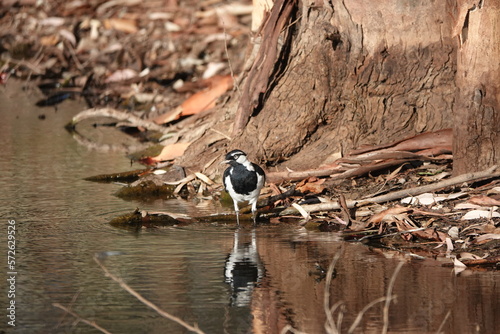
(267, 279)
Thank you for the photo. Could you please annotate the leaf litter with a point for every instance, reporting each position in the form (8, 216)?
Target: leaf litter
(161, 69)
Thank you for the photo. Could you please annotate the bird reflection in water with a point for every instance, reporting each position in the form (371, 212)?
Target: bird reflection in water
(243, 268)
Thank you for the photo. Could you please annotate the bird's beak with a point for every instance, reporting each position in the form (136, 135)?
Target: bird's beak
(224, 162)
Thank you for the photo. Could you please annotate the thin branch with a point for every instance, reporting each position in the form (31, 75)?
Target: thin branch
(146, 302)
(469, 177)
(389, 297)
(88, 322)
(330, 323)
(443, 322)
(362, 313)
(221, 133)
(227, 55)
(73, 300)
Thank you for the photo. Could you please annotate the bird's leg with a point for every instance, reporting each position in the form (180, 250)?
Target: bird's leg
(237, 211)
(254, 213)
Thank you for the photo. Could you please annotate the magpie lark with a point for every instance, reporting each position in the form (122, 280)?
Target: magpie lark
(243, 181)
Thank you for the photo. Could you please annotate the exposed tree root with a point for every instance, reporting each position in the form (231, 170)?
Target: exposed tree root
(119, 115)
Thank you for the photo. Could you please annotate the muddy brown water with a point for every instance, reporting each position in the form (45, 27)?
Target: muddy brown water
(223, 279)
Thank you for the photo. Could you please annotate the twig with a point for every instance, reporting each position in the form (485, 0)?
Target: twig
(389, 297)
(443, 322)
(330, 323)
(227, 55)
(88, 322)
(469, 177)
(146, 302)
(362, 313)
(334, 205)
(392, 234)
(75, 296)
(221, 133)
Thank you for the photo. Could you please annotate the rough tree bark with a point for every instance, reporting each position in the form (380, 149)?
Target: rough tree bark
(477, 111)
(361, 72)
(349, 73)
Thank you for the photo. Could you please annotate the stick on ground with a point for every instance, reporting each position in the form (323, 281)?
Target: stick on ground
(334, 205)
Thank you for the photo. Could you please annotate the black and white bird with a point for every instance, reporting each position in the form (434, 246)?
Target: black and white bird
(243, 181)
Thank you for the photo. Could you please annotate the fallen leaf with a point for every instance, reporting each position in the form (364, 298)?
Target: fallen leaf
(311, 185)
(449, 245)
(169, 116)
(476, 214)
(204, 178)
(206, 99)
(302, 211)
(484, 201)
(198, 102)
(469, 256)
(453, 233)
(121, 75)
(458, 263)
(101, 10)
(125, 25)
(495, 190)
(387, 214)
(429, 198)
(466, 206)
(49, 40)
(169, 152)
(212, 69)
(69, 36)
(52, 21)
(172, 27)
(436, 177)
(486, 237)
(339, 220)
(181, 185)
(431, 234)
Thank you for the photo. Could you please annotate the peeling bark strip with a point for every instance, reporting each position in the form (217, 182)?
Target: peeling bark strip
(258, 78)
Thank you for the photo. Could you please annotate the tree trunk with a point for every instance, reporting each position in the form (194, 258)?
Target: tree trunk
(477, 111)
(359, 72)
